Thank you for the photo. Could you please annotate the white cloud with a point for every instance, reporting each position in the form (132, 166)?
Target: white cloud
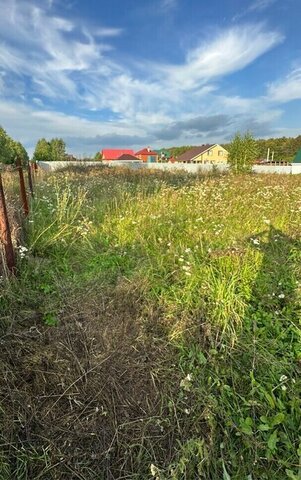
(107, 32)
(287, 89)
(68, 61)
(230, 51)
(260, 5)
(47, 48)
(255, 6)
(27, 124)
(168, 4)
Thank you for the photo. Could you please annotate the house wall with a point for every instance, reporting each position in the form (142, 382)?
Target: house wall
(212, 156)
(144, 158)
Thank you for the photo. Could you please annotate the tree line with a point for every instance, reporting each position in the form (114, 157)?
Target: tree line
(50, 151)
(284, 148)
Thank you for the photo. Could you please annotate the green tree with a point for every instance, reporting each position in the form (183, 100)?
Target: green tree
(19, 151)
(42, 151)
(6, 150)
(243, 151)
(57, 149)
(98, 156)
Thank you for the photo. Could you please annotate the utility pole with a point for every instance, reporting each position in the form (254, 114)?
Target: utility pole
(268, 155)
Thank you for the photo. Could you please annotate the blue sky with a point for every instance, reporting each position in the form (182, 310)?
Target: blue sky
(132, 73)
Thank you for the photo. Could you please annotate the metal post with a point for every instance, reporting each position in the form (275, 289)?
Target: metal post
(30, 180)
(5, 234)
(22, 188)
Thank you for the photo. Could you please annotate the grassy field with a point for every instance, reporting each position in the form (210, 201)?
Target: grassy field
(153, 330)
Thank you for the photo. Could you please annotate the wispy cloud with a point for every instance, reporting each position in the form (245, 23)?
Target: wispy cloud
(51, 59)
(260, 5)
(287, 89)
(255, 6)
(168, 4)
(47, 48)
(232, 50)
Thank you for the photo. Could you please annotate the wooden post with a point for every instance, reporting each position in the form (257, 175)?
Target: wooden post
(30, 180)
(22, 188)
(5, 234)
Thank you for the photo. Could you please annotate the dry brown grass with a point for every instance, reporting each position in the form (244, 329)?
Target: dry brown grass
(88, 392)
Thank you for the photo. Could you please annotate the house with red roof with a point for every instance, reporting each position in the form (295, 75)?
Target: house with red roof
(114, 154)
(147, 155)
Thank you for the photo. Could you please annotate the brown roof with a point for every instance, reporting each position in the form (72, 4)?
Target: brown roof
(193, 152)
(127, 156)
(146, 151)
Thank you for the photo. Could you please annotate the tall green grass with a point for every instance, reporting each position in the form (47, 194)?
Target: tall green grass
(219, 260)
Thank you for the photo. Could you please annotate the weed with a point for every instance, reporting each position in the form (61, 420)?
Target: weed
(176, 348)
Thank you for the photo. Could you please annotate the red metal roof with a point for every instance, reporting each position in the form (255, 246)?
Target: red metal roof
(146, 151)
(113, 154)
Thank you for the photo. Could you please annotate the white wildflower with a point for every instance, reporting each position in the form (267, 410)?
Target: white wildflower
(154, 470)
(186, 382)
(281, 295)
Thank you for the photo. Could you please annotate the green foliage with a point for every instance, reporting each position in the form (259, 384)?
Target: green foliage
(220, 282)
(177, 151)
(54, 150)
(20, 152)
(98, 156)
(50, 319)
(243, 152)
(10, 149)
(42, 151)
(284, 148)
(57, 149)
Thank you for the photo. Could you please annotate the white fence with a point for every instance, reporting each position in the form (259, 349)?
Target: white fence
(188, 167)
(52, 166)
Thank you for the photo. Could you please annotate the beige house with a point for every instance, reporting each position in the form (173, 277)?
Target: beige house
(205, 154)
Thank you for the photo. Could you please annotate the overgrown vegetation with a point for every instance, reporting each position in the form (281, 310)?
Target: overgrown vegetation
(281, 149)
(48, 151)
(153, 330)
(10, 149)
(243, 152)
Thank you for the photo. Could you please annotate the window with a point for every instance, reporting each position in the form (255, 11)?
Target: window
(220, 153)
(210, 152)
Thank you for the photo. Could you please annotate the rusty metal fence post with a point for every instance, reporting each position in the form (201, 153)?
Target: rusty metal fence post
(30, 182)
(22, 188)
(5, 233)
